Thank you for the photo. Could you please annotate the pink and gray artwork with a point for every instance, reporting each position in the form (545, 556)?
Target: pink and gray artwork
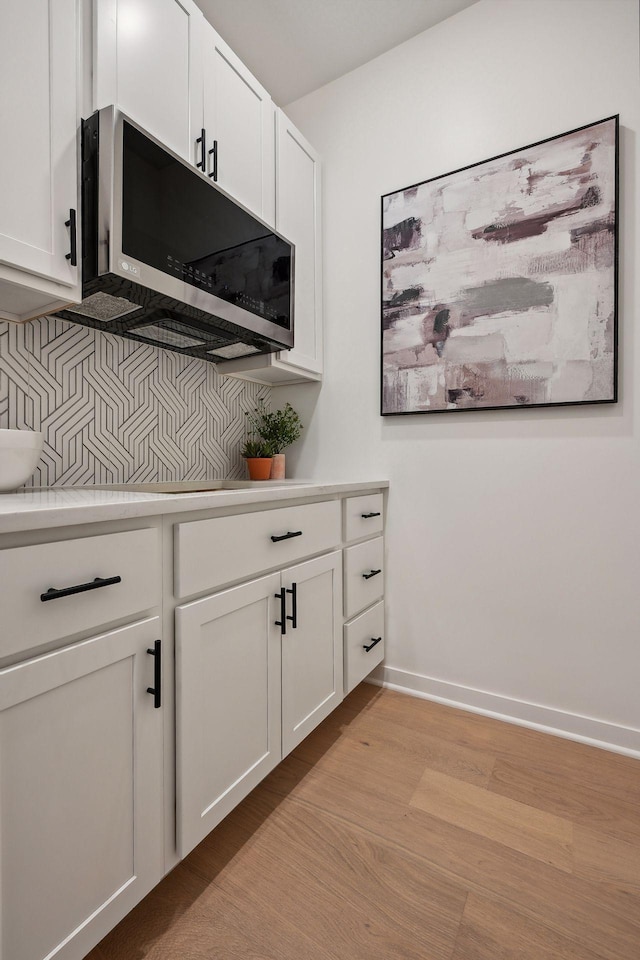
(499, 280)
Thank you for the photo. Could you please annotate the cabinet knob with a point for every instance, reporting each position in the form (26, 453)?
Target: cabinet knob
(281, 595)
(156, 689)
(287, 536)
(374, 641)
(72, 256)
(202, 139)
(214, 151)
(54, 594)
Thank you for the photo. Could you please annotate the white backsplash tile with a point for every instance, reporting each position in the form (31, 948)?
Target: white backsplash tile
(113, 410)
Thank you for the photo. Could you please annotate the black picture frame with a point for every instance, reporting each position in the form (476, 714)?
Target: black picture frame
(578, 224)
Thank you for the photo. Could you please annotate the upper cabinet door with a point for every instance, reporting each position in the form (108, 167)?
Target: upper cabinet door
(238, 120)
(38, 124)
(298, 181)
(148, 62)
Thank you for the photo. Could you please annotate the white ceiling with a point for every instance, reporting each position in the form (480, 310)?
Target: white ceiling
(296, 46)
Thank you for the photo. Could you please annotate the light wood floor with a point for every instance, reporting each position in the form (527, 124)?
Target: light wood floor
(405, 829)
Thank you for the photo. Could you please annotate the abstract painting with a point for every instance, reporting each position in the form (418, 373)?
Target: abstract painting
(499, 280)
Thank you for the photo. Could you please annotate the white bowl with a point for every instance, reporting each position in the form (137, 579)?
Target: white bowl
(20, 451)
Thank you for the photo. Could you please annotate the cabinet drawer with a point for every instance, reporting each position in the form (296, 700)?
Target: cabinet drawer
(211, 553)
(27, 573)
(363, 516)
(363, 575)
(360, 634)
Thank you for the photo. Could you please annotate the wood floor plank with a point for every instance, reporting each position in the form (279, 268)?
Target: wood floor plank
(342, 886)
(492, 931)
(608, 860)
(594, 916)
(608, 773)
(531, 831)
(552, 791)
(328, 859)
(473, 766)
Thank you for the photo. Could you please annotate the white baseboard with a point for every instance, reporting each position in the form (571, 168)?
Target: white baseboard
(571, 726)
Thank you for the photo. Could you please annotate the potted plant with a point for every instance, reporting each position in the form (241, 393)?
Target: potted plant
(278, 429)
(258, 457)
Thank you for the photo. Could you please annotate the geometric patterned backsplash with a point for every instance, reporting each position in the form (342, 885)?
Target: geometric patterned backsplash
(113, 410)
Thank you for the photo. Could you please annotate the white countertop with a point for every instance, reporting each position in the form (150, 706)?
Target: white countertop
(48, 507)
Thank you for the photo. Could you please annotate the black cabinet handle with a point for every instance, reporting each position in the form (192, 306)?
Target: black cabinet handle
(72, 256)
(287, 536)
(156, 689)
(373, 573)
(367, 516)
(53, 594)
(203, 140)
(282, 622)
(214, 151)
(294, 605)
(374, 641)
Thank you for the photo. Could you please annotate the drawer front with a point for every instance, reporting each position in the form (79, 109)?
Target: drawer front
(362, 649)
(211, 553)
(27, 573)
(363, 575)
(363, 516)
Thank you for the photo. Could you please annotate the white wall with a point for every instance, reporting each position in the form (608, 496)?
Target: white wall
(513, 537)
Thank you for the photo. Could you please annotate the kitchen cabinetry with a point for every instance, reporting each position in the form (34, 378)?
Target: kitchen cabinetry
(363, 587)
(148, 61)
(104, 785)
(38, 159)
(298, 218)
(81, 768)
(238, 124)
(312, 669)
(263, 659)
(166, 67)
(81, 740)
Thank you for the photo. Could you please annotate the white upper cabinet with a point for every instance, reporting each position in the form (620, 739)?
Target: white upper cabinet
(238, 123)
(38, 159)
(148, 61)
(298, 218)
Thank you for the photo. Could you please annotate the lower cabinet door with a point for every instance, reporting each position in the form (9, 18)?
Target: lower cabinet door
(227, 702)
(81, 825)
(312, 660)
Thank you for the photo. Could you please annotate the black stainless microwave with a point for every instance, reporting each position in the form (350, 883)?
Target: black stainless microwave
(169, 258)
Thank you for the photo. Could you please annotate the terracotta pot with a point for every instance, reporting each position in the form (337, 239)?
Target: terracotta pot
(259, 467)
(277, 466)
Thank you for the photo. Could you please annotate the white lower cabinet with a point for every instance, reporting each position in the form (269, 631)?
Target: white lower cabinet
(227, 703)
(257, 668)
(81, 815)
(87, 757)
(311, 647)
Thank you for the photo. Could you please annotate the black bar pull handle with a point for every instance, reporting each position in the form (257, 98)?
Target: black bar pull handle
(54, 594)
(203, 140)
(282, 622)
(294, 605)
(72, 256)
(287, 536)
(214, 151)
(374, 641)
(372, 573)
(156, 689)
(367, 516)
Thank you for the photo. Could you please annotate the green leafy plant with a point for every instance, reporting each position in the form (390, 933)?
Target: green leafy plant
(255, 448)
(278, 429)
